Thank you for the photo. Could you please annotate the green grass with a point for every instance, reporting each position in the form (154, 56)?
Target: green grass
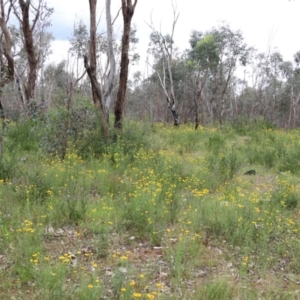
(155, 213)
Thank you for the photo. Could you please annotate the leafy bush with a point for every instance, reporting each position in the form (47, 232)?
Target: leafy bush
(290, 162)
(24, 136)
(8, 167)
(247, 126)
(286, 196)
(34, 188)
(64, 128)
(215, 142)
(222, 166)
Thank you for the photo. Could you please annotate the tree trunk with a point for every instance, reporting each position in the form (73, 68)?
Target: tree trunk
(20, 89)
(223, 98)
(171, 106)
(109, 79)
(9, 67)
(32, 57)
(127, 11)
(91, 70)
(198, 100)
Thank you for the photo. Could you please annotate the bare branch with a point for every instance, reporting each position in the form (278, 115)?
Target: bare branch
(79, 78)
(162, 82)
(37, 15)
(8, 12)
(167, 53)
(113, 22)
(16, 12)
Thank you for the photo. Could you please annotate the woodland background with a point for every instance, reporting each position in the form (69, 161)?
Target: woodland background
(218, 78)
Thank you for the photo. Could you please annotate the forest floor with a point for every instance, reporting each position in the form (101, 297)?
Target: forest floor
(159, 213)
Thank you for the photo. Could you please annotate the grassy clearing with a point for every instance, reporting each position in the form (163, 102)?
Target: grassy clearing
(159, 213)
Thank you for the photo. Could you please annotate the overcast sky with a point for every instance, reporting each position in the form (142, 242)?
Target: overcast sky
(264, 23)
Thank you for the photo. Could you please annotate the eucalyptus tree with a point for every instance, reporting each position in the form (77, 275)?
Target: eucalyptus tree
(58, 80)
(288, 93)
(6, 57)
(215, 56)
(91, 64)
(276, 74)
(128, 8)
(33, 22)
(102, 88)
(203, 57)
(111, 63)
(107, 50)
(293, 92)
(53, 77)
(161, 47)
(80, 40)
(181, 78)
(271, 80)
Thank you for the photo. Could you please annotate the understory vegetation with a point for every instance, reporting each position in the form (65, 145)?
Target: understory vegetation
(155, 213)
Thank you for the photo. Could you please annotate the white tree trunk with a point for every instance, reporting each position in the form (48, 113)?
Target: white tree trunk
(109, 78)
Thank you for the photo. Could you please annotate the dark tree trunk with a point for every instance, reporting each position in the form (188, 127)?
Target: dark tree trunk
(223, 98)
(198, 104)
(128, 11)
(91, 70)
(33, 58)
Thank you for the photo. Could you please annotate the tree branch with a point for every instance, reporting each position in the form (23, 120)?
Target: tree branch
(38, 11)
(7, 51)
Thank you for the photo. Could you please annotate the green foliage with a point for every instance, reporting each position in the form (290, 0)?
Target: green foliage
(33, 186)
(73, 210)
(56, 131)
(79, 40)
(23, 136)
(205, 53)
(102, 242)
(215, 142)
(63, 127)
(216, 291)
(132, 139)
(245, 126)
(208, 48)
(222, 165)
(51, 281)
(285, 196)
(291, 161)
(265, 156)
(8, 166)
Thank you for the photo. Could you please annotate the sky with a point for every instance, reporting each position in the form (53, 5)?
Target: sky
(265, 24)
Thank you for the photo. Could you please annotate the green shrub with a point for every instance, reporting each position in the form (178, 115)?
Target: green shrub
(215, 291)
(222, 166)
(72, 210)
(24, 136)
(8, 167)
(215, 142)
(290, 162)
(286, 196)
